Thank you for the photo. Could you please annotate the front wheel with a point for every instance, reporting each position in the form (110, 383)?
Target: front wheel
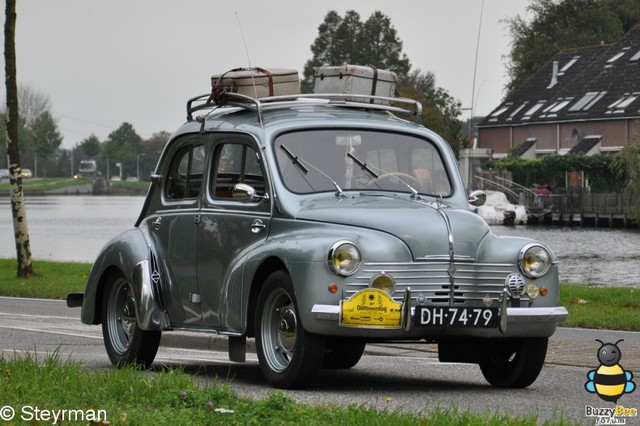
(125, 341)
(514, 363)
(290, 357)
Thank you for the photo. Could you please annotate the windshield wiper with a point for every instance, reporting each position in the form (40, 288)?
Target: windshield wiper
(294, 159)
(297, 161)
(363, 166)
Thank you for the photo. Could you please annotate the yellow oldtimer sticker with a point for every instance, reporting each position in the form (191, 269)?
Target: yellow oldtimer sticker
(371, 308)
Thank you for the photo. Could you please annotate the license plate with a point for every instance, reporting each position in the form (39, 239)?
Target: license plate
(434, 316)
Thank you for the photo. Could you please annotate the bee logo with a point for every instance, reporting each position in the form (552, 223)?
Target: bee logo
(609, 381)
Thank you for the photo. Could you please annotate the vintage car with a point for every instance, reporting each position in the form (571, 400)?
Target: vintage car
(317, 224)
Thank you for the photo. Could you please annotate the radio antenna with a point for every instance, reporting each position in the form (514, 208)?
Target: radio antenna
(246, 49)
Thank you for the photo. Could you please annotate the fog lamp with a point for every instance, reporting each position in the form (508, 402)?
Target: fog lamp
(532, 291)
(384, 282)
(344, 258)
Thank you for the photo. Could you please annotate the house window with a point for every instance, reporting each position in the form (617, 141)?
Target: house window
(620, 105)
(587, 101)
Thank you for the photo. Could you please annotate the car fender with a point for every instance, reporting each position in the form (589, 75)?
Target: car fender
(129, 254)
(303, 254)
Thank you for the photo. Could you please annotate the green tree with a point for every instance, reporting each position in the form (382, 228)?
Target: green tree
(381, 47)
(348, 40)
(122, 146)
(569, 23)
(46, 138)
(18, 209)
(91, 146)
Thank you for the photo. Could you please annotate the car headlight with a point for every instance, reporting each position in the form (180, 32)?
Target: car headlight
(534, 260)
(344, 258)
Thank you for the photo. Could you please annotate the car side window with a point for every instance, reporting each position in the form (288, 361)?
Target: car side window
(184, 177)
(236, 163)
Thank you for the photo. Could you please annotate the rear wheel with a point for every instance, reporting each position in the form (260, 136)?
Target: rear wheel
(290, 357)
(343, 353)
(125, 341)
(514, 363)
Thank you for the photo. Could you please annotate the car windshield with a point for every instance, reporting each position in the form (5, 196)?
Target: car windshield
(323, 160)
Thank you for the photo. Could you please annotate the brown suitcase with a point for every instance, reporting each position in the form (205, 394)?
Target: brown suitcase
(258, 82)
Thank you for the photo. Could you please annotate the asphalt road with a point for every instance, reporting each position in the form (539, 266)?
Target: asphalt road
(388, 376)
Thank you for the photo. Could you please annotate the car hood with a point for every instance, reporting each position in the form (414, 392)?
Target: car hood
(418, 223)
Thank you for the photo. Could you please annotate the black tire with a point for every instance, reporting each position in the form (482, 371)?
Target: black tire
(343, 353)
(290, 357)
(125, 341)
(514, 363)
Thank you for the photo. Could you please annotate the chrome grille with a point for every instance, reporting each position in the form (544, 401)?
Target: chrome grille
(472, 281)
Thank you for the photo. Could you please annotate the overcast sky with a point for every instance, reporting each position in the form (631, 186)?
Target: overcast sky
(102, 63)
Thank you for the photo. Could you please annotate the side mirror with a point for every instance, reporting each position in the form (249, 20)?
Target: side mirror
(244, 192)
(477, 198)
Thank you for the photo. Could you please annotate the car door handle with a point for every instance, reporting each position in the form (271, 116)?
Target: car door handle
(257, 225)
(156, 223)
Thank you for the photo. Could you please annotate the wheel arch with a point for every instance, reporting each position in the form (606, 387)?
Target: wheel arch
(127, 254)
(267, 267)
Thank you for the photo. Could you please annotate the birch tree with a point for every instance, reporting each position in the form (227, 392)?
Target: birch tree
(18, 210)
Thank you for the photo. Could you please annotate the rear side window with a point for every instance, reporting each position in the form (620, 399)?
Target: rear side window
(184, 177)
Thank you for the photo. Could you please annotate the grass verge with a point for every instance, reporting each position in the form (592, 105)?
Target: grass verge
(51, 280)
(616, 308)
(49, 387)
(46, 184)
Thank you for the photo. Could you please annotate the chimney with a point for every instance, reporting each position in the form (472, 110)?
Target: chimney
(554, 75)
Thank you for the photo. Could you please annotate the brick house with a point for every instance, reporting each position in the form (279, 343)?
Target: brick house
(584, 100)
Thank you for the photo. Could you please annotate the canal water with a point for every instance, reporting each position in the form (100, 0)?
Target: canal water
(74, 228)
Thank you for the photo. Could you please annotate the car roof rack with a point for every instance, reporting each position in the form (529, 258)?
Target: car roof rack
(227, 99)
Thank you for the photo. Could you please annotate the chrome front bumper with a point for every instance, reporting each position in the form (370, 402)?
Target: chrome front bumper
(514, 315)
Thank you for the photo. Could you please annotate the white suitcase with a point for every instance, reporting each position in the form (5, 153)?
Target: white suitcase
(258, 82)
(355, 79)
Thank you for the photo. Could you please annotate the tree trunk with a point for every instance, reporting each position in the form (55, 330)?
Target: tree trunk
(18, 210)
